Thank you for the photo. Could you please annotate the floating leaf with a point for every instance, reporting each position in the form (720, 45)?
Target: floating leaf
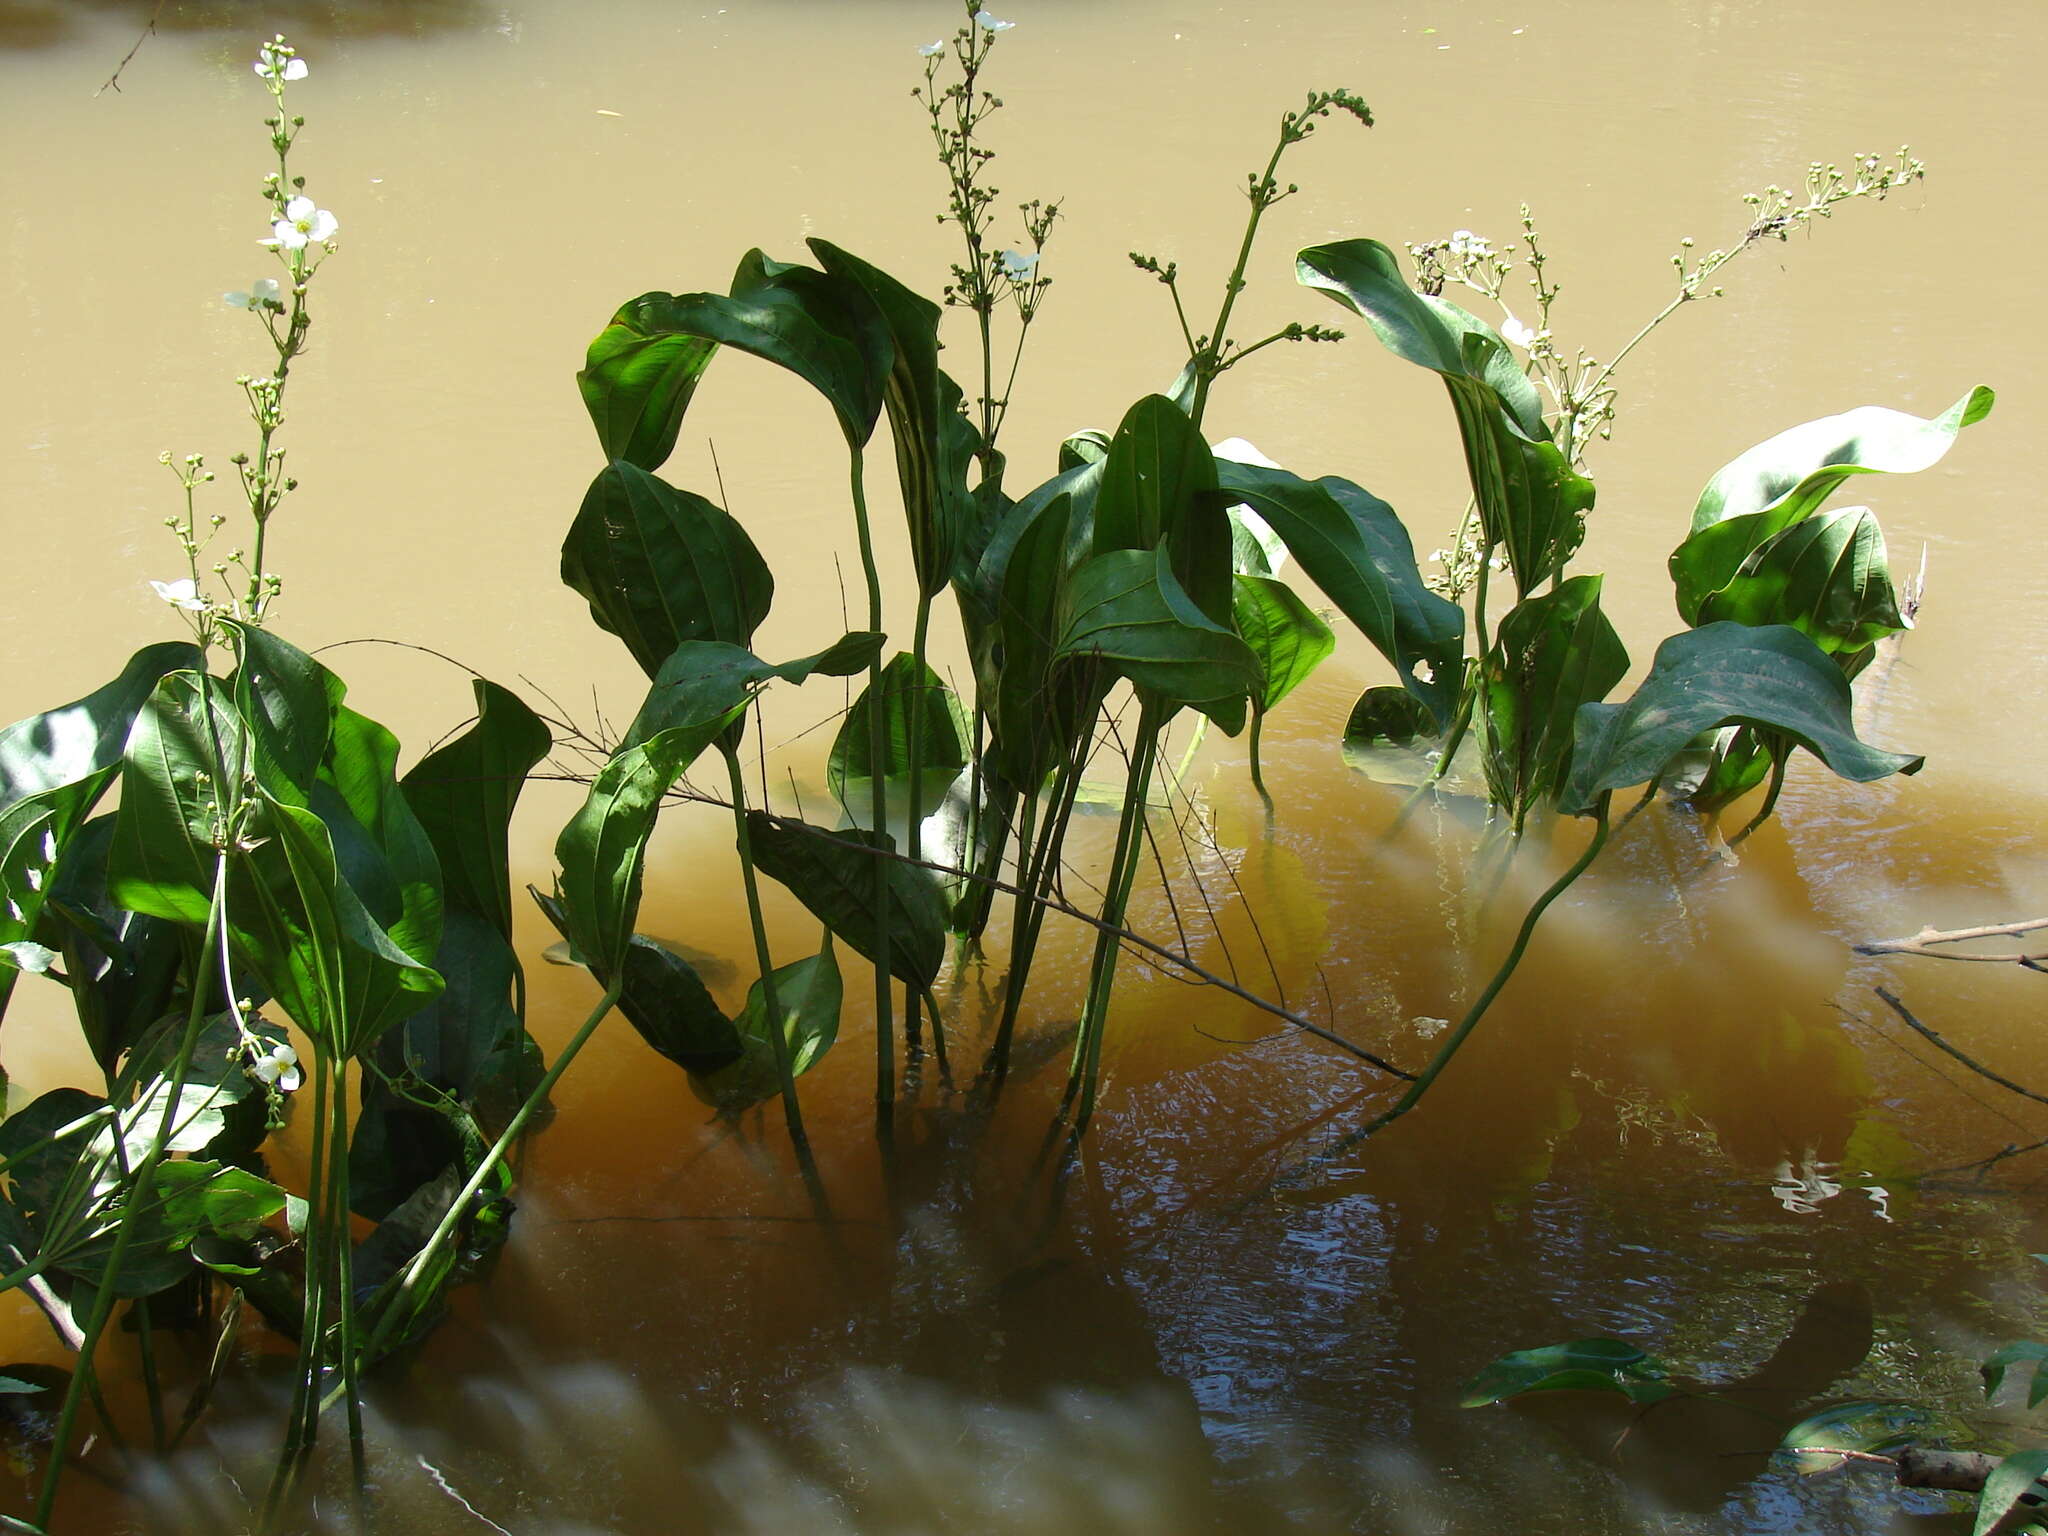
(1873, 1428)
(1584, 1365)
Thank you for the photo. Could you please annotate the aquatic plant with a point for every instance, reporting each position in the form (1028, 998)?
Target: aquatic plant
(267, 853)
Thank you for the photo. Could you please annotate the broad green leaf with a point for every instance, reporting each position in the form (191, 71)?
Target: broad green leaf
(1365, 277)
(164, 855)
(637, 382)
(807, 994)
(1036, 710)
(701, 690)
(1532, 503)
(790, 316)
(1552, 654)
(939, 753)
(1584, 1365)
(381, 849)
(1800, 467)
(464, 793)
(1772, 677)
(1826, 576)
(1387, 714)
(834, 874)
(1126, 610)
(1159, 490)
(667, 1002)
(1286, 635)
(84, 738)
(1874, 1428)
(289, 701)
(2010, 1480)
(2025, 1353)
(934, 444)
(1353, 547)
(659, 566)
(1785, 478)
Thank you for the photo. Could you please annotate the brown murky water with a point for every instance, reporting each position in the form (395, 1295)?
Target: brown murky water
(1689, 1123)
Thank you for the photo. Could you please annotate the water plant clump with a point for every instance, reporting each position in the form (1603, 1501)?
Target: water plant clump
(268, 861)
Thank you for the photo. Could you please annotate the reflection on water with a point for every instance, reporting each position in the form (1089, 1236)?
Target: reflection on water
(1233, 1319)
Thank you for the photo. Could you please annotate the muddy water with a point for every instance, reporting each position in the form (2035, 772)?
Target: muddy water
(1689, 1124)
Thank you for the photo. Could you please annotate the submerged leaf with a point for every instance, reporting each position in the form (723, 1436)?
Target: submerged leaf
(1584, 1365)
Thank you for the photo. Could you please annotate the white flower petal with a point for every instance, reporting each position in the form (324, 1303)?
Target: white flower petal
(183, 593)
(286, 235)
(238, 300)
(299, 209)
(988, 23)
(264, 289)
(1521, 335)
(932, 50)
(295, 70)
(323, 226)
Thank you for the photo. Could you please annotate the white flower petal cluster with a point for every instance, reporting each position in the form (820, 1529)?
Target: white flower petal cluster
(183, 593)
(932, 49)
(1018, 267)
(1468, 245)
(303, 224)
(278, 1068)
(275, 63)
(264, 291)
(1521, 335)
(988, 23)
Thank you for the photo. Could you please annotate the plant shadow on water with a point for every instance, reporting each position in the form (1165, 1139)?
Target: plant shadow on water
(46, 23)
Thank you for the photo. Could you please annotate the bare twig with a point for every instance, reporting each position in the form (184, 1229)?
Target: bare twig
(1923, 942)
(113, 81)
(1979, 1068)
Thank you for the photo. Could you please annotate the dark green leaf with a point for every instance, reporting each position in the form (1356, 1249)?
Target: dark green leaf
(807, 995)
(1826, 576)
(1159, 490)
(1353, 547)
(659, 566)
(1785, 478)
(1126, 610)
(667, 1002)
(637, 383)
(1722, 674)
(1584, 1365)
(932, 450)
(2014, 1477)
(834, 875)
(464, 793)
(1388, 714)
(1552, 654)
(84, 738)
(1284, 633)
(2026, 1353)
(939, 753)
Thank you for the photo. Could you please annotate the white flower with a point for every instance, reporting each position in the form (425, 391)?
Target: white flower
(988, 23)
(1464, 243)
(274, 65)
(1018, 267)
(278, 1067)
(183, 593)
(262, 292)
(303, 223)
(1518, 333)
(932, 50)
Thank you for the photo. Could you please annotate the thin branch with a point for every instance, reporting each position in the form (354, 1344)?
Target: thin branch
(1981, 1070)
(1923, 942)
(113, 81)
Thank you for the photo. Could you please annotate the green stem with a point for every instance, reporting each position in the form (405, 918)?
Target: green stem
(1085, 1073)
(913, 833)
(340, 1200)
(303, 1418)
(410, 1277)
(885, 1031)
(1778, 760)
(106, 1294)
(1429, 1074)
(778, 1039)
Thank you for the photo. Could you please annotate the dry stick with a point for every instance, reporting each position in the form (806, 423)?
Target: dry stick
(1981, 1070)
(1922, 943)
(113, 81)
